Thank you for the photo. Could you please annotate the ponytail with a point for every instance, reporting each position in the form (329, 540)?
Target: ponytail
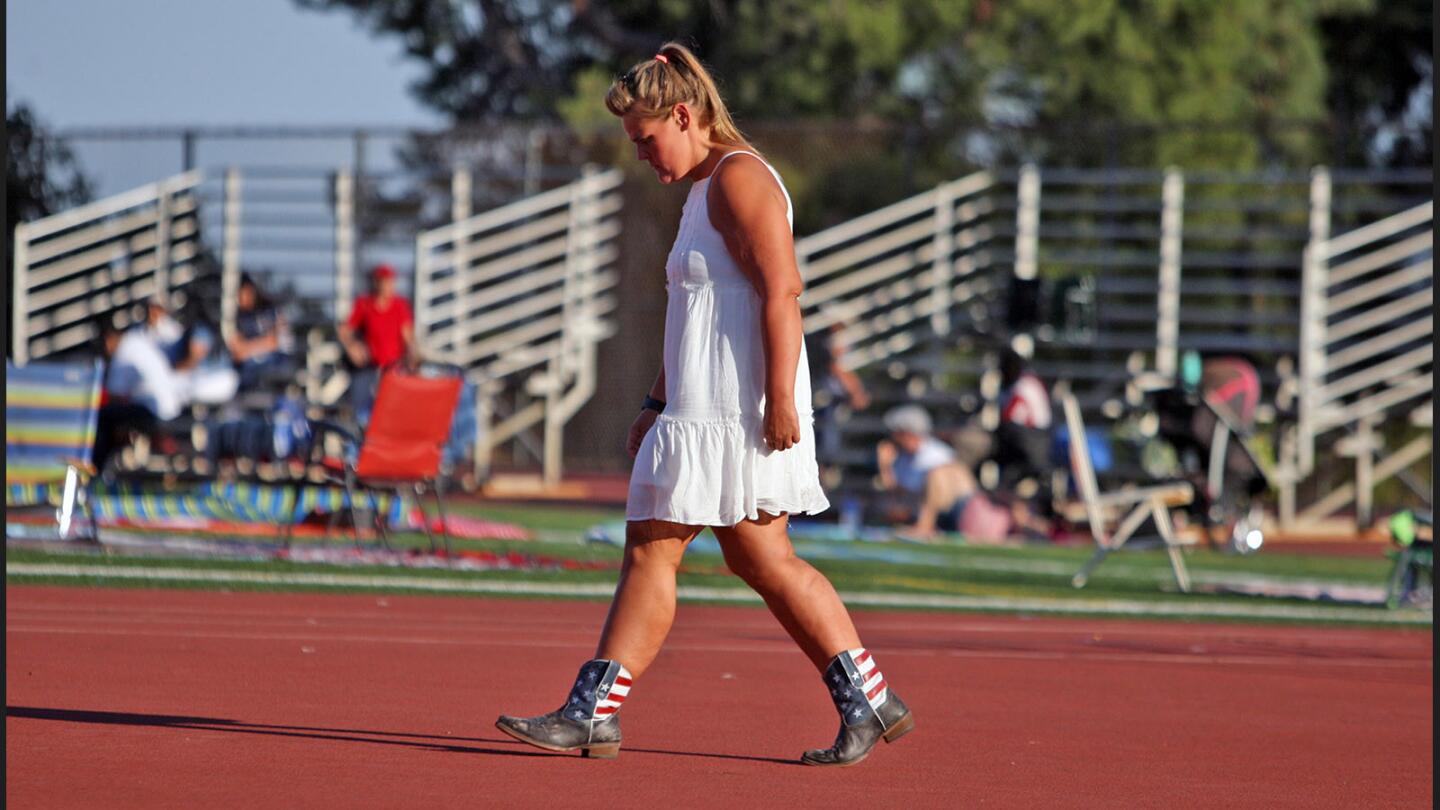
(674, 76)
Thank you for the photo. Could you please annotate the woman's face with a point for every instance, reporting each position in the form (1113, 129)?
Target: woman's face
(246, 298)
(664, 143)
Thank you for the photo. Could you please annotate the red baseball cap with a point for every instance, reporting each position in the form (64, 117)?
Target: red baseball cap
(382, 271)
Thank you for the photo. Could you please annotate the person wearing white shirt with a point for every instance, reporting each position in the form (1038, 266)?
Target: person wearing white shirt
(140, 372)
(924, 470)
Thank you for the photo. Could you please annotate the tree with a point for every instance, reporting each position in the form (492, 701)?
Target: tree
(42, 175)
(493, 60)
(1238, 83)
(1381, 85)
(1232, 83)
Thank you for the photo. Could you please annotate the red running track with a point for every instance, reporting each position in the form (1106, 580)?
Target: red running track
(150, 699)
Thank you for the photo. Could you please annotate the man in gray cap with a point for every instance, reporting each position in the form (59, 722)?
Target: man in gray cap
(924, 472)
(932, 486)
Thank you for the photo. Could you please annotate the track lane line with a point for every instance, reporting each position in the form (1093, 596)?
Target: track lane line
(779, 646)
(934, 623)
(1292, 647)
(1112, 607)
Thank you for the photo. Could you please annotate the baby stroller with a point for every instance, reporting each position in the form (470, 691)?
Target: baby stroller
(1210, 421)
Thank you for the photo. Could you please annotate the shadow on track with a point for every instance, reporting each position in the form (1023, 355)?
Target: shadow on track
(320, 733)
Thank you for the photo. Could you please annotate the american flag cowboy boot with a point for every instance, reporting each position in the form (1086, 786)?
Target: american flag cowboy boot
(588, 722)
(869, 710)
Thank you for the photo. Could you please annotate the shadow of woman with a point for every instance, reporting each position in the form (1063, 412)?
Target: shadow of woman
(418, 741)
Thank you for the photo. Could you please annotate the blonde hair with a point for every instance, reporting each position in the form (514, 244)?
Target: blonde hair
(653, 87)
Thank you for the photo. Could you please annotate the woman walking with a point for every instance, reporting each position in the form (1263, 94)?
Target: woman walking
(725, 438)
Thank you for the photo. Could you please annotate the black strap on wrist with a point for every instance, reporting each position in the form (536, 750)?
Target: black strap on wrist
(653, 404)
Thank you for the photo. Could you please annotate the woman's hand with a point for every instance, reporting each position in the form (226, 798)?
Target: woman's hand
(638, 429)
(782, 425)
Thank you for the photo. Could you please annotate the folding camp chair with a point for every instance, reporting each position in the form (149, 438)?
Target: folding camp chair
(51, 415)
(1142, 502)
(402, 446)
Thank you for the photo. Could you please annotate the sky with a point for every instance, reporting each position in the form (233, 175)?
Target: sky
(203, 62)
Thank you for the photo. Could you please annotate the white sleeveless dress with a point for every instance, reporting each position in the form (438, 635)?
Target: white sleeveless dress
(705, 462)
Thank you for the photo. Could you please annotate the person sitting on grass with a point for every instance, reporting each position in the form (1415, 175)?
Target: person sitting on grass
(929, 483)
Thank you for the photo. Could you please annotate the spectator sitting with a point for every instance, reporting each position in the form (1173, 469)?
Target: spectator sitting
(141, 370)
(139, 386)
(923, 470)
(261, 344)
(1022, 440)
(185, 345)
(386, 335)
(138, 371)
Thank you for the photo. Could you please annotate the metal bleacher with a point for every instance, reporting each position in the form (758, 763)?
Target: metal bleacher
(1123, 272)
(1104, 276)
(516, 295)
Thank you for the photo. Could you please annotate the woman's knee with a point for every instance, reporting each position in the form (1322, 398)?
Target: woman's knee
(649, 546)
(761, 568)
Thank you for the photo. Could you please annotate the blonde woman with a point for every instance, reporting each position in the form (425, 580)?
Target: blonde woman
(724, 438)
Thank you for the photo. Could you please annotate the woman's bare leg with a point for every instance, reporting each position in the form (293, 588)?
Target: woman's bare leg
(804, 601)
(644, 605)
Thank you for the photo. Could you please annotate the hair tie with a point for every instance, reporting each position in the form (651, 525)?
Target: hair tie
(660, 57)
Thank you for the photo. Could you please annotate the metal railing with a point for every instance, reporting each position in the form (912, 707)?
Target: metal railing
(99, 259)
(519, 296)
(1366, 352)
(898, 269)
(1205, 261)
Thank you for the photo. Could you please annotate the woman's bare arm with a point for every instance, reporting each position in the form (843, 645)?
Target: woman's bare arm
(747, 207)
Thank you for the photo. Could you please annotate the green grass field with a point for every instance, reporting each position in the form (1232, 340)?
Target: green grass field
(1025, 578)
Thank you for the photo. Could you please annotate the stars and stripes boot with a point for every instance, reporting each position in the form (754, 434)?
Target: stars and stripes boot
(588, 722)
(869, 710)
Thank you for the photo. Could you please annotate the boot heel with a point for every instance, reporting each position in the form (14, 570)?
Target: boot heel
(900, 729)
(601, 751)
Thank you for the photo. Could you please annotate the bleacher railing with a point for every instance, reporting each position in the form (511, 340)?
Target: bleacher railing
(906, 265)
(1170, 261)
(98, 259)
(1366, 352)
(519, 296)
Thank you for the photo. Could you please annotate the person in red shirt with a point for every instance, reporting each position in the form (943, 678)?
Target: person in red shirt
(379, 332)
(384, 322)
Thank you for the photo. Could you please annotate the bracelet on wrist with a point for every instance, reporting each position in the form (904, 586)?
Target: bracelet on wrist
(653, 404)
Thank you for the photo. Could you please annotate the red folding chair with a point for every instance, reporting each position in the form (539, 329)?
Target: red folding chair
(402, 445)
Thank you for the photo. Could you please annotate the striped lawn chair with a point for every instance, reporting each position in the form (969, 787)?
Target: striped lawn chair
(51, 411)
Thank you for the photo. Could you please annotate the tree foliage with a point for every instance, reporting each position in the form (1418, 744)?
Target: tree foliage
(1238, 83)
(42, 176)
(1226, 80)
(1382, 83)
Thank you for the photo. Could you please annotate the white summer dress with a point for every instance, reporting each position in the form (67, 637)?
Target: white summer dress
(705, 462)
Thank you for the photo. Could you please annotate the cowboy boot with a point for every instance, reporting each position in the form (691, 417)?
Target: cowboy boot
(869, 710)
(588, 722)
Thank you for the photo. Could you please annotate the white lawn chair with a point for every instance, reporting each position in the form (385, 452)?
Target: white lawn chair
(1142, 502)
